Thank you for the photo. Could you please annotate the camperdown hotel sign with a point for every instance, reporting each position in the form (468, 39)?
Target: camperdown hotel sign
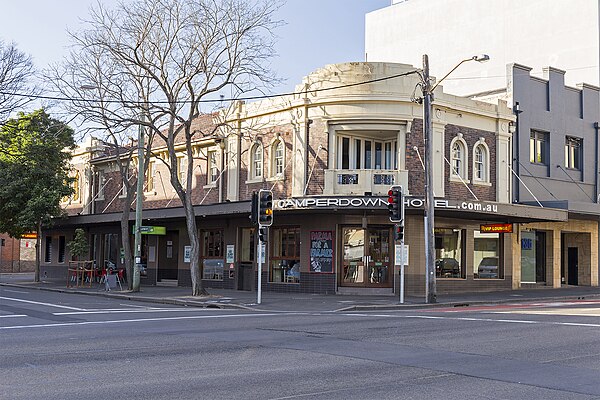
(379, 202)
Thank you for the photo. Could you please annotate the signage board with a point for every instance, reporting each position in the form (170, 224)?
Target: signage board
(230, 254)
(152, 230)
(401, 255)
(30, 235)
(321, 252)
(496, 228)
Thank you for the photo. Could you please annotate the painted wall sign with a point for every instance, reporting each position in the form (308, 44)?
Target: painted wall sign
(321, 252)
(496, 228)
(377, 202)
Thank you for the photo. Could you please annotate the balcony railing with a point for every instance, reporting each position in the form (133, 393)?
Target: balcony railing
(361, 181)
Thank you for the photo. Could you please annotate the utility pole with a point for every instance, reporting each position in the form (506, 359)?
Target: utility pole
(430, 284)
(135, 277)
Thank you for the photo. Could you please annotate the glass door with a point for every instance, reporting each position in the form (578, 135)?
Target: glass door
(366, 257)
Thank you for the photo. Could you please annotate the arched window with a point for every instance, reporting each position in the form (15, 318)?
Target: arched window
(256, 162)
(481, 162)
(458, 149)
(278, 158)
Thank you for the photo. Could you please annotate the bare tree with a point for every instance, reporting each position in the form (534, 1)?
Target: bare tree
(152, 63)
(16, 72)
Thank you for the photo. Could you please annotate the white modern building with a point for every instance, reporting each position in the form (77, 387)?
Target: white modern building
(564, 34)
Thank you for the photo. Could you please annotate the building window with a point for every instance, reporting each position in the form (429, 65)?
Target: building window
(573, 153)
(182, 170)
(256, 162)
(213, 169)
(359, 153)
(481, 162)
(458, 154)
(285, 258)
(76, 188)
(278, 158)
(449, 253)
(149, 183)
(212, 254)
(538, 147)
(48, 250)
(61, 249)
(100, 183)
(487, 256)
(111, 250)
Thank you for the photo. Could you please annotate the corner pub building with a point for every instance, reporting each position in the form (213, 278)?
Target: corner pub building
(330, 154)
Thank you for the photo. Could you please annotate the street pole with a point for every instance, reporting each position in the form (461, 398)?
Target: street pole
(430, 284)
(260, 261)
(135, 285)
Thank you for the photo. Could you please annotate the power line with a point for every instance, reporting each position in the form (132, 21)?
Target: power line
(261, 97)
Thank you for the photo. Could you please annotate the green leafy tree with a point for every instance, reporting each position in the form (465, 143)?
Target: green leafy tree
(34, 174)
(79, 246)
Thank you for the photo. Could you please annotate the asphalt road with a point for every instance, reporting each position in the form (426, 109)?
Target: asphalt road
(65, 346)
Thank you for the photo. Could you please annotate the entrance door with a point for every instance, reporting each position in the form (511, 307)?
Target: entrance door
(168, 259)
(366, 258)
(573, 268)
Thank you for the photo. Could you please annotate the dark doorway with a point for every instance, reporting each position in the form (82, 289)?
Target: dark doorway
(572, 265)
(168, 259)
(540, 257)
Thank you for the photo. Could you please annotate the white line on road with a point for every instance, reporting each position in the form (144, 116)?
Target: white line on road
(13, 316)
(42, 304)
(14, 291)
(512, 321)
(122, 321)
(136, 310)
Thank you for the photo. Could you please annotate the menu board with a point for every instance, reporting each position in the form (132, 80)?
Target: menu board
(321, 252)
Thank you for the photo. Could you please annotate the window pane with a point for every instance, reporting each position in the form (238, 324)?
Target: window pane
(61, 249)
(368, 155)
(212, 269)
(357, 151)
(448, 251)
(486, 256)
(285, 262)
(345, 153)
(48, 252)
(378, 155)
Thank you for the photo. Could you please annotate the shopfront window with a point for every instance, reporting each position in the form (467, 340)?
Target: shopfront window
(486, 256)
(212, 254)
(533, 257)
(285, 259)
(449, 253)
(111, 250)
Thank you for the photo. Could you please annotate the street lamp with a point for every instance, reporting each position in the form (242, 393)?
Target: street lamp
(427, 88)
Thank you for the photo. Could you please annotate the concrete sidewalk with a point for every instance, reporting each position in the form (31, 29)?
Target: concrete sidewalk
(271, 301)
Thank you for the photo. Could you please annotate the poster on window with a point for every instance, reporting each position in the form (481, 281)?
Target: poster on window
(321, 252)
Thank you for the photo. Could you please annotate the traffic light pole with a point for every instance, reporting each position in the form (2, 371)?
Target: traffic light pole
(260, 261)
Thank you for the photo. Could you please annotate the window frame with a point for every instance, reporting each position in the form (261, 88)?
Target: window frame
(539, 142)
(573, 152)
(257, 163)
(213, 169)
(275, 164)
(462, 172)
(149, 177)
(217, 253)
(282, 260)
(484, 162)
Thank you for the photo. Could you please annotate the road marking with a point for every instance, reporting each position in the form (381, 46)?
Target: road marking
(122, 321)
(136, 310)
(42, 304)
(13, 316)
(511, 321)
(578, 312)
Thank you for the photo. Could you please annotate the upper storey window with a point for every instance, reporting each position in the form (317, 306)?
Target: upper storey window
(538, 147)
(459, 159)
(481, 162)
(362, 153)
(278, 158)
(573, 153)
(256, 162)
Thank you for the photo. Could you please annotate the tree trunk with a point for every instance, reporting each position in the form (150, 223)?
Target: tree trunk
(38, 246)
(126, 243)
(190, 218)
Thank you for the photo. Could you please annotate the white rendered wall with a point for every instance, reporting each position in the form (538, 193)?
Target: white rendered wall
(538, 33)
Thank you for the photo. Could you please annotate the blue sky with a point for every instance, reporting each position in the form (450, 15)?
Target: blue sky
(318, 32)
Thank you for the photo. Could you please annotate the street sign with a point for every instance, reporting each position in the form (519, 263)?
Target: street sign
(152, 230)
(401, 255)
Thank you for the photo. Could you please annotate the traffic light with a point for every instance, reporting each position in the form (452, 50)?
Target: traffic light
(395, 205)
(398, 232)
(254, 209)
(265, 208)
(262, 234)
